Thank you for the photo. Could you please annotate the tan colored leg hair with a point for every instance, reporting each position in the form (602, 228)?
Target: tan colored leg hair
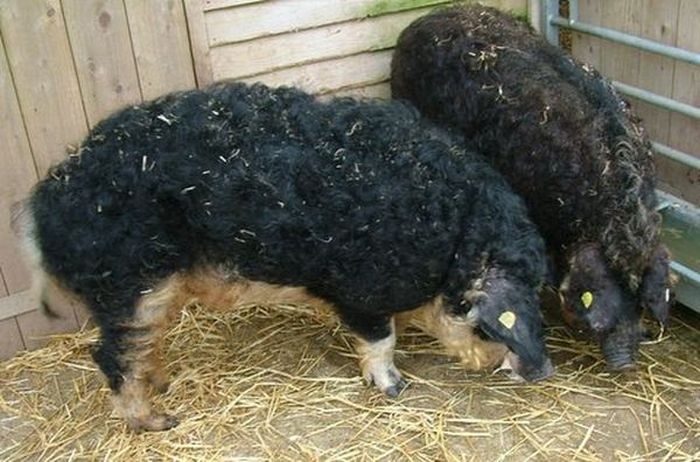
(142, 360)
(143, 356)
(457, 336)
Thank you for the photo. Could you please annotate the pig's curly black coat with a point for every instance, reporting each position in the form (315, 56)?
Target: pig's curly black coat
(362, 203)
(556, 129)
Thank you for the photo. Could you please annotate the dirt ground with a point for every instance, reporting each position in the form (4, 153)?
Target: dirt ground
(281, 383)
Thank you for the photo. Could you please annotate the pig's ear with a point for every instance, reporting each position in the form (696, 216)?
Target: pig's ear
(655, 290)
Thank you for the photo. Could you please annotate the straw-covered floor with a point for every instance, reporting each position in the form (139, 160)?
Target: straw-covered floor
(281, 383)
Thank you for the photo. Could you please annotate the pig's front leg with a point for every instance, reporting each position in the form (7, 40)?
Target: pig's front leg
(376, 338)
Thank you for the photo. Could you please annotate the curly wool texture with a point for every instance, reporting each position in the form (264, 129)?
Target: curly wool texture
(556, 129)
(360, 202)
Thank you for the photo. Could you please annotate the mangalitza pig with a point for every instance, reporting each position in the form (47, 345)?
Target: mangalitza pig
(249, 193)
(567, 143)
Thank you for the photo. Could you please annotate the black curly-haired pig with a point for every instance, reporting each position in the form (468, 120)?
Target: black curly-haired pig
(249, 193)
(567, 143)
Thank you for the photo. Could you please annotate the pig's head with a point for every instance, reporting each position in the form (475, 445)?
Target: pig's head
(599, 301)
(506, 310)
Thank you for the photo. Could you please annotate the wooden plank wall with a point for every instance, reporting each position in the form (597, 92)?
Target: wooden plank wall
(66, 64)
(673, 22)
(334, 46)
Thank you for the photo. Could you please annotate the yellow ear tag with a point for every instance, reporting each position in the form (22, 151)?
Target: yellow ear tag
(587, 299)
(507, 318)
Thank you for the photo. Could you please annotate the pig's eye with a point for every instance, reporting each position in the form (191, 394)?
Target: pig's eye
(587, 299)
(507, 318)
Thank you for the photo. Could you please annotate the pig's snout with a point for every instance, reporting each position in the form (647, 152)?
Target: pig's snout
(620, 346)
(521, 372)
(619, 357)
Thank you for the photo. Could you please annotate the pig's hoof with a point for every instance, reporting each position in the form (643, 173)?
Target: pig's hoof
(622, 367)
(153, 423)
(388, 380)
(394, 390)
(620, 361)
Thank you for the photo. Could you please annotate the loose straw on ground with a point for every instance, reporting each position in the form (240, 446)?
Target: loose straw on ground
(281, 383)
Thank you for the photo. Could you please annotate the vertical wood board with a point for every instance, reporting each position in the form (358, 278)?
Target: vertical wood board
(99, 37)
(161, 46)
(4, 291)
(199, 42)
(586, 48)
(659, 20)
(39, 55)
(10, 338)
(684, 132)
(621, 62)
(17, 175)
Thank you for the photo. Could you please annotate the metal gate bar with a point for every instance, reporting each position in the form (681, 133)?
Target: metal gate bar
(626, 39)
(658, 100)
(676, 155)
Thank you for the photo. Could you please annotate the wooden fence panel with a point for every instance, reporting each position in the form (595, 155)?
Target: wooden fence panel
(4, 291)
(585, 47)
(685, 132)
(377, 90)
(323, 50)
(36, 326)
(326, 42)
(326, 76)
(619, 61)
(104, 60)
(686, 85)
(208, 5)
(16, 178)
(39, 55)
(10, 338)
(199, 42)
(659, 23)
(249, 22)
(161, 45)
(45, 80)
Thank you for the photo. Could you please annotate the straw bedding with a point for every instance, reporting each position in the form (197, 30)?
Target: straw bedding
(280, 383)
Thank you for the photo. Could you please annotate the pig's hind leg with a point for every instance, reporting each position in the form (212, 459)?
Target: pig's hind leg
(376, 338)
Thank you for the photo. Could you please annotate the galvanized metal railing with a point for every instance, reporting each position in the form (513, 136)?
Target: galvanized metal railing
(549, 24)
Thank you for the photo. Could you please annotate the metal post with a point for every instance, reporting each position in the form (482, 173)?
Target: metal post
(573, 10)
(550, 10)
